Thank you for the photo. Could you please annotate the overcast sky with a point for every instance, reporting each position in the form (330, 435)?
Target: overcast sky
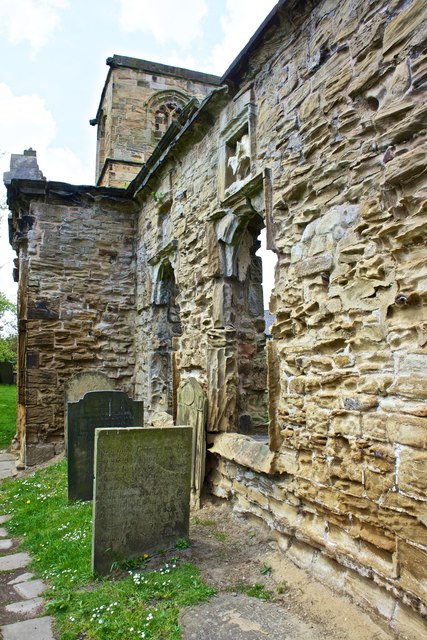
(53, 69)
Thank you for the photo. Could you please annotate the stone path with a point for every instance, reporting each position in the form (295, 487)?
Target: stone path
(21, 600)
(242, 618)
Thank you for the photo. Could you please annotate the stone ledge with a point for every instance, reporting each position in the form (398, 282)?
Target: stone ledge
(243, 450)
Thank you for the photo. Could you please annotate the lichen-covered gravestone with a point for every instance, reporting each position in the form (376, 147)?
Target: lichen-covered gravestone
(97, 409)
(192, 411)
(141, 492)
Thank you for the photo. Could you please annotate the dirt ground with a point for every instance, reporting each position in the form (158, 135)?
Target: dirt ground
(231, 552)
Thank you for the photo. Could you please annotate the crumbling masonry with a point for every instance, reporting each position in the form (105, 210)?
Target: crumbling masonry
(317, 132)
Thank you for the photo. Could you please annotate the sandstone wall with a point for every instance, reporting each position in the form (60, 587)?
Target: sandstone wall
(76, 305)
(333, 106)
(128, 130)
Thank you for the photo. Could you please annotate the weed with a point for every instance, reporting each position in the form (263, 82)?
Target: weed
(222, 537)
(256, 590)
(182, 543)
(266, 570)
(204, 522)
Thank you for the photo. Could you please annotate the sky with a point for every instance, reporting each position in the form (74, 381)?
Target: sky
(53, 69)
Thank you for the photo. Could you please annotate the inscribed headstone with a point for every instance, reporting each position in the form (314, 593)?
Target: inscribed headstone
(80, 384)
(97, 409)
(141, 492)
(192, 411)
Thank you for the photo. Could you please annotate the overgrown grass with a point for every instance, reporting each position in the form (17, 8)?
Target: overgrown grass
(7, 414)
(141, 604)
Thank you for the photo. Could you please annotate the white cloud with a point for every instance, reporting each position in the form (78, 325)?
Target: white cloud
(238, 25)
(27, 122)
(168, 21)
(32, 21)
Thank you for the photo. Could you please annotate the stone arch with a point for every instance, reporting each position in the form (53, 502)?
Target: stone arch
(163, 108)
(168, 330)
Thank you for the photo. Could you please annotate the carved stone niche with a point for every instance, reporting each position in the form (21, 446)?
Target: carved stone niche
(166, 329)
(237, 152)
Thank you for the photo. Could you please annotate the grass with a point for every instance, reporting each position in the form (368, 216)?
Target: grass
(137, 603)
(256, 590)
(7, 414)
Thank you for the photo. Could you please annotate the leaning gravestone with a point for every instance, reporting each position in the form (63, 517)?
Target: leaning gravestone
(97, 409)
(141, 492)
(192, 411)
(78, 385)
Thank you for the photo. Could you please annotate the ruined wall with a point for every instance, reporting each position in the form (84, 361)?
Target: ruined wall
(76, 303)
(335, 120)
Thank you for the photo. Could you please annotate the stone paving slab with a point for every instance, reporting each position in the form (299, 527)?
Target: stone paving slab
(6, 457)
(8, 473)
(37, 629)
(22, 578)
(5, 518)
(25, 607)
(3, 532)
(5, 544)
(240, 617)
(14, 561)
(30, 589)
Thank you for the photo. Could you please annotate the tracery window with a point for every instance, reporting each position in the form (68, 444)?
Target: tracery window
(163, 117)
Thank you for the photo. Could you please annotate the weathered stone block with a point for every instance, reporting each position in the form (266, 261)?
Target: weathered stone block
(412, 471)
(413, 562)
(373, 597)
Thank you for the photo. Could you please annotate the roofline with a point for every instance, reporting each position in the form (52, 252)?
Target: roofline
(117, 62)
(254, 41)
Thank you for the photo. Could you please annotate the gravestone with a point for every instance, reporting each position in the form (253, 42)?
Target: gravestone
(80, 384)
(97, 409)
(141, 492)
(192, 411)
(6, 373)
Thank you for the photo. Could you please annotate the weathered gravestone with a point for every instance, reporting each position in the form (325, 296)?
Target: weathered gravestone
(141, 492)
(80, 384)
(97, 409)
(192, 411)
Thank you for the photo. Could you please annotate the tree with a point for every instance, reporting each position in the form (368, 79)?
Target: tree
(8, 331)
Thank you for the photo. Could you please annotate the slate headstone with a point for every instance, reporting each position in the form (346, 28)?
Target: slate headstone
(192, 411)
(6, 373)
(97, 409)
(141, 492)
(78, 385)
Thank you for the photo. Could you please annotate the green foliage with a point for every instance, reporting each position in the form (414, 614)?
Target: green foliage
(182, 543)
(7, 330)
(256, 590)
(7, 414)
(8, 349)
(143, 604)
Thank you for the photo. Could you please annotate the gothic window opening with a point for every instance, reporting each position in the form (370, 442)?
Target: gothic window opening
(163, 118)
(167, 321)
(252, 400)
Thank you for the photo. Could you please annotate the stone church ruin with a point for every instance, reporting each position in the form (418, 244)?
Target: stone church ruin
(317, 134)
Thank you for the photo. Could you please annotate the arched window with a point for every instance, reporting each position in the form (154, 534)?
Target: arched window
(163, 117)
